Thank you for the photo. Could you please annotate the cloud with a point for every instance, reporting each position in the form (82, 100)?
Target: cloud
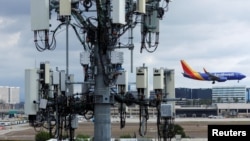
(212, 34)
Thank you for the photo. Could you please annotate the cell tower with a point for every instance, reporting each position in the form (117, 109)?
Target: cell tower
(99, 26)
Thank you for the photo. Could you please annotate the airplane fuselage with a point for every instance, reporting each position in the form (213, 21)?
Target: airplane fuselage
(223, 76)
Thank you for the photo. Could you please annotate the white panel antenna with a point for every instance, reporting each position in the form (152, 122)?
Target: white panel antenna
(31, 91)
(141, 6)
(152, 22)
(43, 103)
(141, 77)
(47, 73)
(122, 78)
(158, 79)
(62, 80)
(39, 14)
(118, 13)
(55, 78)
(84, 58)
(65, 7)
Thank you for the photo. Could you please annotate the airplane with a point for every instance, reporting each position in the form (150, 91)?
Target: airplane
(210, 76)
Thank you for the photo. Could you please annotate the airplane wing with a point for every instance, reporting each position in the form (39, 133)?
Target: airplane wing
(212, 77)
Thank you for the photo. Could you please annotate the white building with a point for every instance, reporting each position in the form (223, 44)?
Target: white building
(4, 94)
(229, 94)
(10, 95)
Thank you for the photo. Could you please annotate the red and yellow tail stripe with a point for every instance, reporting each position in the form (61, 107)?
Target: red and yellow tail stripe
(192, 73)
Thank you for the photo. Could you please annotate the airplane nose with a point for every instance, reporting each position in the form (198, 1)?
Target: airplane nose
(243, 76)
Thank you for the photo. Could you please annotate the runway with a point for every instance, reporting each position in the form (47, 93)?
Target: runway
(135, 120)
(195, 128)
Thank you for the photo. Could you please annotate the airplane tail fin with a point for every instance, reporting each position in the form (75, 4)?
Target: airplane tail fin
(186, 68)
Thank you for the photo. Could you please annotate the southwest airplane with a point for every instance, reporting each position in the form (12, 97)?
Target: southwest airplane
(210, 76)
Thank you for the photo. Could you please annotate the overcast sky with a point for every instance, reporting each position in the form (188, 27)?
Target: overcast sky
(214, 34)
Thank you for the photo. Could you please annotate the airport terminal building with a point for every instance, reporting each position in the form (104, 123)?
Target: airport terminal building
(228, 101)
(229, 94)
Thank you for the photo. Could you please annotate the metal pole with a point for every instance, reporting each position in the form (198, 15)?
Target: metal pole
(71, 130)
(67, 54)
(102, 121)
